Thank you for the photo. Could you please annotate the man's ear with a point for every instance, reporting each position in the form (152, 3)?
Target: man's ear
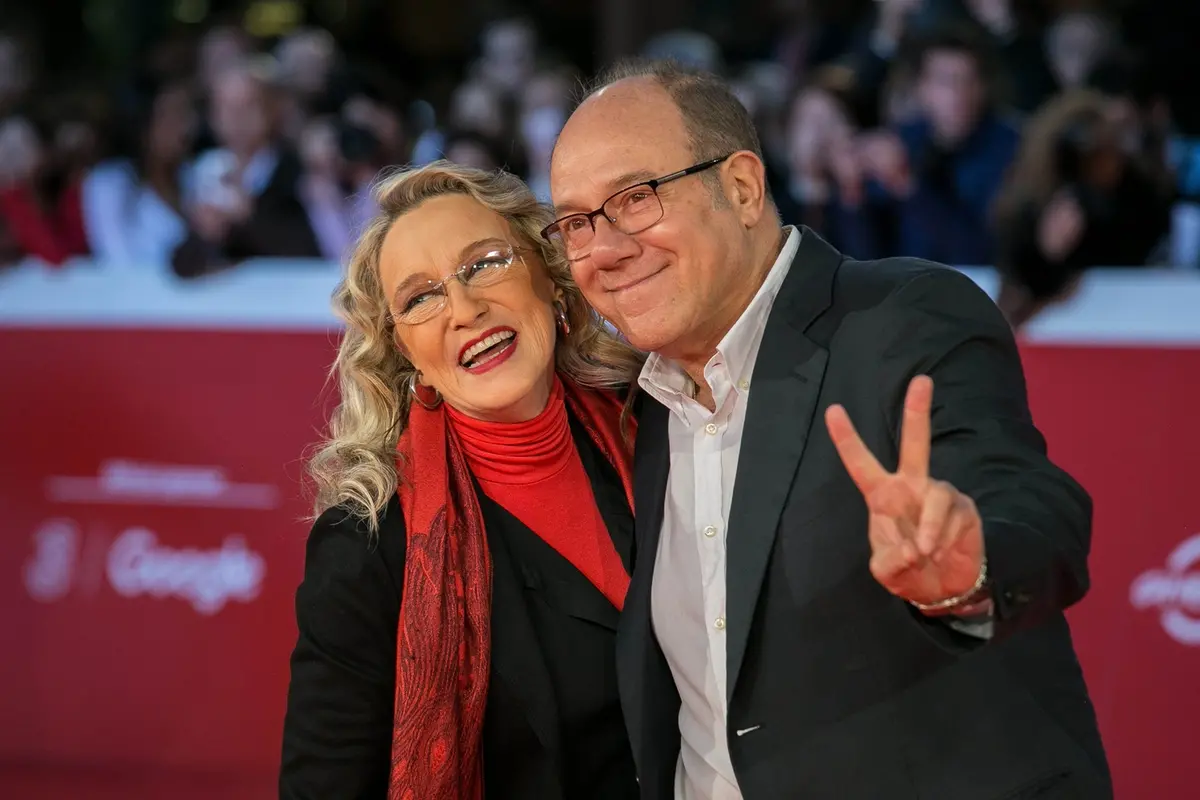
(746, 186)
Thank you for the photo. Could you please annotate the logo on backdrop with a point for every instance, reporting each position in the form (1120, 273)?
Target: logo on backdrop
(136, 564)
(1174, 591)
(72, 557)
(50, 571)
(139, 565)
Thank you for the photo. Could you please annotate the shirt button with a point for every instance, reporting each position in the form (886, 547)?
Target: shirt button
(710, 531)
(719, 624)
(710, 428)
(743, 385)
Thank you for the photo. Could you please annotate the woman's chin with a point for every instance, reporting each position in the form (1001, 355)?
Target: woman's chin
(508, 394)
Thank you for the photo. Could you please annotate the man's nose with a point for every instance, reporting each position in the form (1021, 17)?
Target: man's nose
(610, 245)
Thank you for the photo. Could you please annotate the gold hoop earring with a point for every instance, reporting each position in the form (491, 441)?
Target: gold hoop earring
(560, 313)
(416, 395)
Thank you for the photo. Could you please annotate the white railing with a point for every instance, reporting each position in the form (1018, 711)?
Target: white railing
(1136, 306)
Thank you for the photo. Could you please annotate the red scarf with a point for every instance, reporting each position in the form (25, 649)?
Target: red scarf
(442, 658)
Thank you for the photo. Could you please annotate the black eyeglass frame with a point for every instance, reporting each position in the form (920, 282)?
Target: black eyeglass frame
(552, 229)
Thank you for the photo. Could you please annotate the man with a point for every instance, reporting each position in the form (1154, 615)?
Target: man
(243, 198)
(804, 622)
(933, 178)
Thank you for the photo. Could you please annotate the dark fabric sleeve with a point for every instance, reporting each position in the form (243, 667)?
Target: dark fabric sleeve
(195, 256)
(338, 729)
(280, 230)
(1037, 519)
(279, 226)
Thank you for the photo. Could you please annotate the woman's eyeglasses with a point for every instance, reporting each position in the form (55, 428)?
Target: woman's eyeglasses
(422, 300)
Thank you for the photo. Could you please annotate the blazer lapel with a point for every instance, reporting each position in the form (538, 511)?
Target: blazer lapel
(516, 660)
(635, 635)
(785, 387)
(651, 465)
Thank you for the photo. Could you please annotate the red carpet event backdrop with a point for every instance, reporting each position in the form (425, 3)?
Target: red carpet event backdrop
(150, 484)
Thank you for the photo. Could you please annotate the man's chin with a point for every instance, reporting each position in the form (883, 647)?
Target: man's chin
(647, 338)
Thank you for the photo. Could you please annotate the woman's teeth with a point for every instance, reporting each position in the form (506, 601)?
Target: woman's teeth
(484, 344)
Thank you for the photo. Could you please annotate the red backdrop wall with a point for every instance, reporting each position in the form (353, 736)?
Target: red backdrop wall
(153, 539)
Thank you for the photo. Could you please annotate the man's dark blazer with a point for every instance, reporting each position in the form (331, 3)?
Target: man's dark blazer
(552, 728)
(839, 689)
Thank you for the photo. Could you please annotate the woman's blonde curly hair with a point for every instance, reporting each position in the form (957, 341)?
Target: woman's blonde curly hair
(355, 466)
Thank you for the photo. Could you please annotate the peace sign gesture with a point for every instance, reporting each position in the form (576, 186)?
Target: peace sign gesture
(926, 536)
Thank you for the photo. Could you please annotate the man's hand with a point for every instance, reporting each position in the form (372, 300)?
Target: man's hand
(926, 536)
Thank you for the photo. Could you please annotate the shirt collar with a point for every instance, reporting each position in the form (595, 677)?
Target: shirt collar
(668, 383)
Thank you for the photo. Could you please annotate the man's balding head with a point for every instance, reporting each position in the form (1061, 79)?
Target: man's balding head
(716, 121)
(672, 285)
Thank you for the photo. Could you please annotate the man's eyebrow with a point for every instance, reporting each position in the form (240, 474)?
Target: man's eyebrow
(631, 179)
(623, 181)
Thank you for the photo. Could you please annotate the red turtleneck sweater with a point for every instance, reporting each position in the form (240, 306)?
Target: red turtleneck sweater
(533, 470)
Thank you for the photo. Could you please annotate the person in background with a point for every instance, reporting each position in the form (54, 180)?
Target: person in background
(322, 188)
(476, 107)
(1080, 196)
(1076, 43)
(40, 208)
(473, 149)
(306, 61)
(16, 72)
(463, 581)
(222, 46)
(508, 54)
(133, 203)
(243, 199)
(544, 105)
(1020, 51)
(935, 177)
(824, 175)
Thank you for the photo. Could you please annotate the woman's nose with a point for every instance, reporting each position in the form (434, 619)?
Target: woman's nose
(465, 306)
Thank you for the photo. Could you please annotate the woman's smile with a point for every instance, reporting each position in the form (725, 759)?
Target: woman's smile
(488, 351)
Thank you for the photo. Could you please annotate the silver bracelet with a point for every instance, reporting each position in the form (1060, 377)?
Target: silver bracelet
(958, 600)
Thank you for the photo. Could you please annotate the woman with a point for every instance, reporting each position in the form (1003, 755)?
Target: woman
(462, 583)
(132, 206)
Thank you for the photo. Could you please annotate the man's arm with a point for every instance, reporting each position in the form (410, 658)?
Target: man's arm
(1036, 518)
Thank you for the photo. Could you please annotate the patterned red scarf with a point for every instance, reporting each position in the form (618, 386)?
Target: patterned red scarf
(442, 658)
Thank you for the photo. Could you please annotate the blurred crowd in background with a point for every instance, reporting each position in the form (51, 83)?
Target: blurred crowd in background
(1041, 138)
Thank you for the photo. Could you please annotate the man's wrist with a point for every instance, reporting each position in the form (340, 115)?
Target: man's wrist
(976, 610)
(977, 596)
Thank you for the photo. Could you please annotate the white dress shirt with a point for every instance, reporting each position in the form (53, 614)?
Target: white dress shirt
(688, 588)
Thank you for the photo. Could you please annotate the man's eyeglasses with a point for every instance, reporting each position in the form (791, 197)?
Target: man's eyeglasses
(421, 301)
(631, 210)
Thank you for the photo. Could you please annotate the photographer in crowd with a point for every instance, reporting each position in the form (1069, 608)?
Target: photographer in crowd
(1079, 196)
